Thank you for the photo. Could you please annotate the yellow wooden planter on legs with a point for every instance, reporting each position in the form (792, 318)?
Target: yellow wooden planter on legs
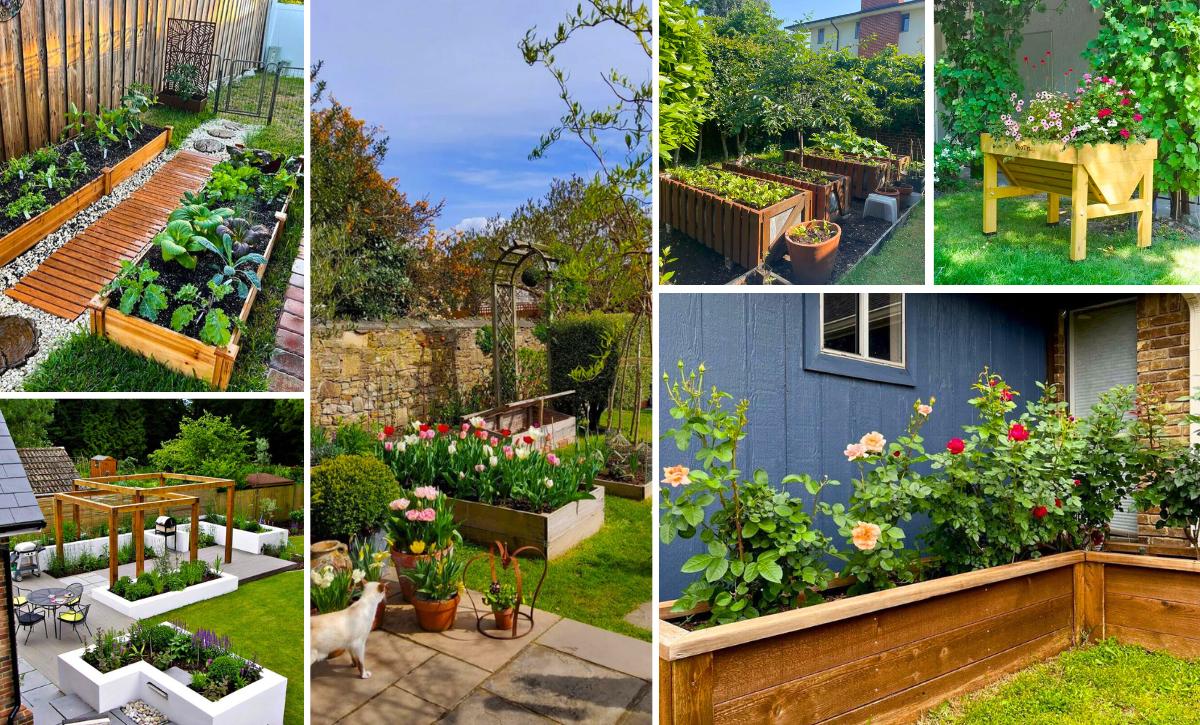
(1100, 180)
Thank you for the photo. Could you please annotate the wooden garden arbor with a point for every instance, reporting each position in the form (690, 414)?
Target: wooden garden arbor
(87, 492)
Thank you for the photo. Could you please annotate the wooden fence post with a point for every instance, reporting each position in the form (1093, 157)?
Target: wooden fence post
(58, 533)
(113, 548)
(139, 520)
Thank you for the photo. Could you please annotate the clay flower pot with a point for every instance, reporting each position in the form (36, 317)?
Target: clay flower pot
(504, 618)
(905, 190)
(813, 263)
(894, 192)
(331, 553)
(435, 615)
(404, 561)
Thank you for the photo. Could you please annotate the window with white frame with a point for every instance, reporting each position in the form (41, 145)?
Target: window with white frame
(864, 326)
(821, 36)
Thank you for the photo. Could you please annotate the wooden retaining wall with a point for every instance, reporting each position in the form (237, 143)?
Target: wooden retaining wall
(889, 657)
(87, 52)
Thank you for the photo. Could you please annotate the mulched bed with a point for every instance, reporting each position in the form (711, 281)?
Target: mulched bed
(697, 264)
(95, 160)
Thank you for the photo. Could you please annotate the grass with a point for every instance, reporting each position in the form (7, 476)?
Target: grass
(265, 620)
(85, 363)
(625, 417)
(1027, 251)
(599, 581)
(899, 260)
(1101, 684)
(183, 122)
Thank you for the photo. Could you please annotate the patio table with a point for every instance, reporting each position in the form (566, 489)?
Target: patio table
(51, 598)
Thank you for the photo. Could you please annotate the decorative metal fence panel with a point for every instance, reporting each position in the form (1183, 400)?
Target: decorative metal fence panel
(256, 89)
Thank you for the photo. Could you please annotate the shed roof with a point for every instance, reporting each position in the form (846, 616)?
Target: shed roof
(49, 470)
(19, 510)
(266, 480)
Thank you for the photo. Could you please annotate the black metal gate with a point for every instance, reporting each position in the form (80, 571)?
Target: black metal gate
(256, 89)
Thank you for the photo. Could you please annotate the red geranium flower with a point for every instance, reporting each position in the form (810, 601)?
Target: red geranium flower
(388, 430)
(955, 445)
(1125, 101)
(1104, 113)
(1039, 512)
(1137, 117)
(1076, 482)
(1018, 432)
(1124, 133)
(443, 428)
(1026, 59)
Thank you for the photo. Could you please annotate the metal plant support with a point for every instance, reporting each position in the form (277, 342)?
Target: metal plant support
(508, 559)
(507, 269)
(189, 42)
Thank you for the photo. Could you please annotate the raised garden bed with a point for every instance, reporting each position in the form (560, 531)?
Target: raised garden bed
(554, 532)
(182, 350)
(121, 163)
(1100, 180)
(626, 489)
(892, 655)
(830, 192)
(866, 173)
(157, 604)
(260, 702)
(249, 541)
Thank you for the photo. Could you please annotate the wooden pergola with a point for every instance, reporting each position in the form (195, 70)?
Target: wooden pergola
(87, 492)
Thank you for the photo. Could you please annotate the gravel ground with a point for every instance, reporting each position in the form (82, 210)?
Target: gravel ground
(53, 330)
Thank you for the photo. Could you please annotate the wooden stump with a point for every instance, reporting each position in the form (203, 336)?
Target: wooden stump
(18, 342)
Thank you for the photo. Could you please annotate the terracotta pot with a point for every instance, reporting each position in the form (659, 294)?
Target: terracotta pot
(331, 553)
(403, 561)
(905, 190)
(813, 263)
(888, 192)
(504, 619)
(435, 615)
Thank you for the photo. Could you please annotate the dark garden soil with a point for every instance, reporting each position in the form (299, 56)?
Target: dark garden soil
(92, 154)
(697, 264)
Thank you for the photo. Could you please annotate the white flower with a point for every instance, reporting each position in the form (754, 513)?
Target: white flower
(487, 450)
(549, 483)
(452, 449)
(358, 576)
(522, 453)
(403, 446)
(462, 474)
(415, 425)
(1112, 123)
(411, 439)
(493, 461)
(476, 422)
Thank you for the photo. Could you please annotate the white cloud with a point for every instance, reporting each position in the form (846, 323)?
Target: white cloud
(477, 224)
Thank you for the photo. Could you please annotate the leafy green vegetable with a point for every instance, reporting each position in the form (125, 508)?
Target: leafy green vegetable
(756, 193)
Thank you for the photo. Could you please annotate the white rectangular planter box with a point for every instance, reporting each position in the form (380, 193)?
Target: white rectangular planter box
(167, 601)
(72, 549)
(260, 703)
(242, 540)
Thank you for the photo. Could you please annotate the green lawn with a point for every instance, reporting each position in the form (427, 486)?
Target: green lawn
(899, 260)
(1102, 684)
(182, 122)
(1027, 251)
(600, 580)
(265, 620)
(624, 417)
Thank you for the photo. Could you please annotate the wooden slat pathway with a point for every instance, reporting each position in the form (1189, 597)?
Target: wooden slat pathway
(74, 273)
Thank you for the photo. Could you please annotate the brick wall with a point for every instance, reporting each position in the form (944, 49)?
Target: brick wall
(876, 32)
(9, 683)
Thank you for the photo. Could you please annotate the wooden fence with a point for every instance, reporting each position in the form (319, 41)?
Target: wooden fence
(87, 52)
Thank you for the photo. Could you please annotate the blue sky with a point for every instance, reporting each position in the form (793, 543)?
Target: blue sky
(791, 11)
(448, 84)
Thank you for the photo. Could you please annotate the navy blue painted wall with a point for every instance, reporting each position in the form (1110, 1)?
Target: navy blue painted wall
(801, 420)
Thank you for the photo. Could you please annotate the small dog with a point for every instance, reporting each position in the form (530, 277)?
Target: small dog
(348, 629)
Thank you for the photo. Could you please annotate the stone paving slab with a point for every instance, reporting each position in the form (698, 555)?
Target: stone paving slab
(391, 707)
(484, 707)
(599, 646)
(642, 617)
(443, 680)
(565, 688)
(336, 685)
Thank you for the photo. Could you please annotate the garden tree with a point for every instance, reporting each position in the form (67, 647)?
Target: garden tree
(159, 421)
(280, 422)
(1153, 49)
(626, 123)
(977, 72)
(207, 445)
(683, 77)
(719, 8)
(28, 421)
(457, 264)
(361, 221)
(896, 84)
(114, 428)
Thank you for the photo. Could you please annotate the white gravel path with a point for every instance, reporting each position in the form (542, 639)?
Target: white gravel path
(54, 330)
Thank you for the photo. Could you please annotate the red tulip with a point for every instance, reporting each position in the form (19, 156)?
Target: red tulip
(443, 428)
(505, 432)
(424, 428)
(388, 430)
(528, 440)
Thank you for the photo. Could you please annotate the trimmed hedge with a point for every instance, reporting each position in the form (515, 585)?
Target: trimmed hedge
(350, 496)
(590, 343)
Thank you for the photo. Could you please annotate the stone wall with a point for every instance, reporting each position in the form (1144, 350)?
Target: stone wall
(389, 372)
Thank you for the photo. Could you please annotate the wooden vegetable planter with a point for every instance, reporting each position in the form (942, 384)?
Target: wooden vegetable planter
(179, 352)
(16, 242)
(626, 489)
(553, 533)
(1100, 179)
(838, 188)
(866, 173)
(738, 232)
(890, 656)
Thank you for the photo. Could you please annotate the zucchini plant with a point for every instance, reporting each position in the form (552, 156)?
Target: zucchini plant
(140, 293)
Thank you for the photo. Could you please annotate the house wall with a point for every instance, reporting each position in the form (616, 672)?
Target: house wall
(9, 681)
(885, 25)
(799, 420)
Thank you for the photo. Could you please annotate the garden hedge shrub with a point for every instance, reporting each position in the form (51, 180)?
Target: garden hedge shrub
(583, 353)
(350, 496)
(206, 446)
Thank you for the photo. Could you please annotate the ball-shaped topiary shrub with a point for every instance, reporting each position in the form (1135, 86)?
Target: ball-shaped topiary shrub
(350, 496)
(225, 668)
(160, 637)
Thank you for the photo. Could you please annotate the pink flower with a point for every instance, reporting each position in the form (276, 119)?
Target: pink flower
(552, 459)
(462, 435)
(388, 446)
(1104, 113)
(426, 492)
(873, 442)
(865, 536)
(855, 451)
(1006, 394)
(1125, 101)
(466, 426)
(494, 441)
(428, 515)
(412, 515)
(508, 452)
(1138, 117)
(955, 446)
(382, 436)
(674, 476)
(480, 468)
(1018, 433)
(399, 504)
(1124, 133)
(925, 410)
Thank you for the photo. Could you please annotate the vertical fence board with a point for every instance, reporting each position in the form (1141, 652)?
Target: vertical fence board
(73, 48)
(56, 70)
(105, 59)
(33, 38)
(128, 76)
(11, 94)
(91, 55)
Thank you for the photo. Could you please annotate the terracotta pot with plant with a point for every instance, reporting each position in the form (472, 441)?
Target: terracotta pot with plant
(368, 560)
(812, 248)
(502, 598)
(420, 527)
(333, 554)
(439, 587)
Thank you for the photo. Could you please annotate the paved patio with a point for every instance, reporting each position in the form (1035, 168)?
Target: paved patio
(564, 671)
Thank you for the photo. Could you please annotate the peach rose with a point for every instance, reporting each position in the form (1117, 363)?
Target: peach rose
(855, 451)
(865, 536)
(925, 410)
(676, 475)
(873, 442)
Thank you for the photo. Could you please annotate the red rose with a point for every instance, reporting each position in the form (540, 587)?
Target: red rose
(993, 382)
(1058, 502)
(1039, 512)
(388, 430)
(1006, 394)
(424, 428)
(896, 454)
(955, 445)
(443, 428)
(528, 440)
(1076, 482)
(1018, 433)
(505, 432)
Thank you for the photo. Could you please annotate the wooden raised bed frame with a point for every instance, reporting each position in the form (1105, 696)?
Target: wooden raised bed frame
(839, 187)
(736, 231)
(890, 656)
(1100, 180)
(175, 350)
(554, 533)
(866, 173)
(16, 242)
